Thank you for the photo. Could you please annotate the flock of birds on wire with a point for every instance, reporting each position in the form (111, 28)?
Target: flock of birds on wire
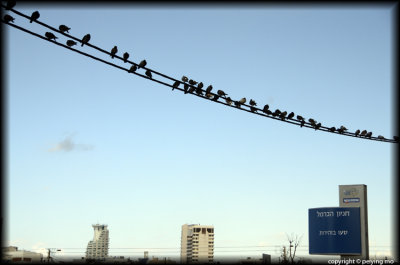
(191, 86)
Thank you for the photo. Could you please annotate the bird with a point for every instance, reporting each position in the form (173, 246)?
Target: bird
(50, 36)
(343, 128)
(332, 129)
(277, 112)
(35, 15)
(312, 121)
(200, 85)
(132, 69)
(317, 126)
(64, 28)
(302, 123)
(85, 39)
(252, 103)
(114, 51)
(125, 56)
(192, 89)
(291, 115)
(242, 101)
(267, 111)
(71, 43)
(237, 104)
(381, 137)
(228, 101)
(10, 4)
(340, 130)
(253, 109)
(283, 115)
(148, 74)
(209, 95)
(363, 133)
(185, 87)
(266, 107)
(199, 91)
(142, 64)
(185, 79)
(208, 89)
(175, 85)
(300, 118)
(192, 82)
(222, 93)
(357, 132)
(216, 97)
(7, 18)
(369, 135)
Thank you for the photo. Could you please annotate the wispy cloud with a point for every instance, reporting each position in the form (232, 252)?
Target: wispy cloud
(68, 145)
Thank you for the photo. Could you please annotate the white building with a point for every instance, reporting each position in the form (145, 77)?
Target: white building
(12, 254)
(98, 247)
(197, 243)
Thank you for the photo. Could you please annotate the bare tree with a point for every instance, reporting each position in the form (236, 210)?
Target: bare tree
(294, 242)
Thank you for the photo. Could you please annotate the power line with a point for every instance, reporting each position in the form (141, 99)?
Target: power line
(214, 98)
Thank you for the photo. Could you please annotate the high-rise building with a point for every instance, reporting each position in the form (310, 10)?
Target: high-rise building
(197, 243)
(98, 247)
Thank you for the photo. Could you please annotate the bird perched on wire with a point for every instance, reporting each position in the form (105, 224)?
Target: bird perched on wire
(185, 79)
(253, 109)
(317, 126)
(71, 43)
(209, 95)
(50, 36)
(237, 104)
(221, 93)
(342, 129)
(7, 18)
(35, 15)
(85, 39)
(185, 87)
(125, 56)
(312, 121)
(10, 4)
(142, 64)
(64, 28)
(228, 101)
(148, 74)
(199, 91)
(242, 100)
(357, 132)
(132, 69)
(380, 137)
(302, 123)
(300, 118)
(252, 103)
(192, 89)
(283, 115)
(266, 107)
(291, 115)
(200, 85)
(208, 89)
(363, 133)
(176, 85)
(192, 82)
(369, 135)
(114, 51)
(216, 97)
(332, 129)
(277, 112)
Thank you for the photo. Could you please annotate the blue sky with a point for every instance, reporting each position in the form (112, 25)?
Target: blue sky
(146, 160)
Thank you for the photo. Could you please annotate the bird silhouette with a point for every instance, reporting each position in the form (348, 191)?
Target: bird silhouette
(35, 15)
(7, 18)
(185, 79)
(312, 121)
(228, 101)
(10, 4)
(291, 115)
(369, 135)
(125, 56)
(185, 87)
(252, 103)
(266, 107)
(216, 97)
(200, 85)
(142, 64)
(132, 69)
(192, 89)
(381, 137)
(283, 115)
(343, 128)
(175, 85)
(208, 89)
(237, 104)
(277, 112)
(64, 28)
(253, 109)
(221, 93)
(363, 133)
(242, 101)
(302, 123)
(148, 74)
(199, 91)
(267, 111)
(357, 132)
(332, 129)
(300, 118)
(50, 36)
(114, 51)
(317, 126)
(71, 43)
(85, 39)
(192, 82)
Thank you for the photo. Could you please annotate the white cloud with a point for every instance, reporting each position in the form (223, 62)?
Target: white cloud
(68, 145)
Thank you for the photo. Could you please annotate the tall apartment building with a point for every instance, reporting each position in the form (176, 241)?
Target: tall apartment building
(98, 247)
(197, 243)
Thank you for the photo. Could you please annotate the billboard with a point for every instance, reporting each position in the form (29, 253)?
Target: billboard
(334, 231)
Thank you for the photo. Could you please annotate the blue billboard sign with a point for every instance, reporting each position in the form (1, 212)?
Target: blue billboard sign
(334, 231)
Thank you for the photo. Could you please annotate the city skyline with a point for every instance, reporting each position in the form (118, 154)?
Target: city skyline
(96, 144)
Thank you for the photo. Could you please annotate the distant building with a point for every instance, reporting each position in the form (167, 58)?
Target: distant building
(12, 254)
(97, 248)
(197, 243)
